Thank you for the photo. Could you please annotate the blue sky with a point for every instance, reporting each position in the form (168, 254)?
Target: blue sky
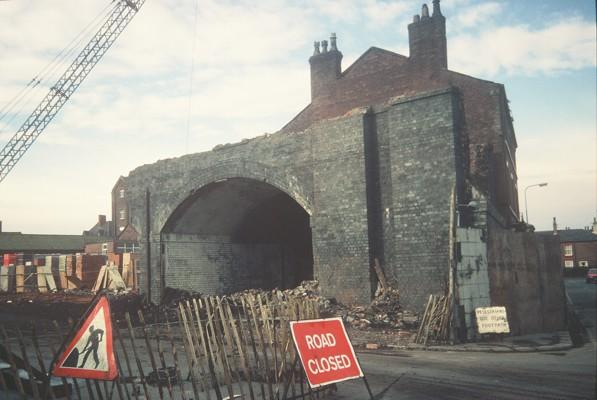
(251, 76)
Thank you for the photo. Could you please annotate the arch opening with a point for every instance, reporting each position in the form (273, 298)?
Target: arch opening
(235, 234)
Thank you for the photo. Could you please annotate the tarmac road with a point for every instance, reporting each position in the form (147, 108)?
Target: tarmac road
(456, 375)
(430, 375)
(583, 297)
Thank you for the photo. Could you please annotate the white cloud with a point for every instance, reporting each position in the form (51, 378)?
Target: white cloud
(380, 13)
(474, 15)
(251, 76)
(565, 45)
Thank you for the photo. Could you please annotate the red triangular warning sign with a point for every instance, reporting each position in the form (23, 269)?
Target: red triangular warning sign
(90, 353)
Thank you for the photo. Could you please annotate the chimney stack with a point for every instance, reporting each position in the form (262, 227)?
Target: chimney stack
(427, 38)
(555, 226)
(326, 67)
(101, 219)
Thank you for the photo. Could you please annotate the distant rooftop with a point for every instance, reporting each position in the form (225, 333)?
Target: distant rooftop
(573, 235)
(19, 242)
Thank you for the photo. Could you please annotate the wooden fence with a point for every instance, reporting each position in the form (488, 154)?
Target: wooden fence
(218, 348)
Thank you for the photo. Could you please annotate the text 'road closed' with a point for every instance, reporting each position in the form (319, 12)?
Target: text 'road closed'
(325, 351)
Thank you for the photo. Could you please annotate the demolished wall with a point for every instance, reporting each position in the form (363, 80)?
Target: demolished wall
(526, 277)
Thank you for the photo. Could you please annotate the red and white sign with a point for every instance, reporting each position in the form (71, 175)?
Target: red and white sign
(325, 351)
(90, 354)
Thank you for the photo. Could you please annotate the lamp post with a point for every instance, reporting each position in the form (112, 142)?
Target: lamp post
(526, 208)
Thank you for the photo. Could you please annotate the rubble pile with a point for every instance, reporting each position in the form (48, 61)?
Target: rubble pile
(384, 311)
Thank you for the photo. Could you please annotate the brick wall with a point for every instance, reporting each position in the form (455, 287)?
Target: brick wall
(420, 167)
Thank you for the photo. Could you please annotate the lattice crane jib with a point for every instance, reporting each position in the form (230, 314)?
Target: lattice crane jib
(122, 13)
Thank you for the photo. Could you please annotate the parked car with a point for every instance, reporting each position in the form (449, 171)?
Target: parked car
(592, 275)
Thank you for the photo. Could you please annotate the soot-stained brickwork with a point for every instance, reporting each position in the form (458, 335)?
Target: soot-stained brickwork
(365, 171)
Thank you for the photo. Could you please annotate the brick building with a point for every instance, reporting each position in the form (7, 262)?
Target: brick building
(578, 247)
(120, 212)
(383, 163)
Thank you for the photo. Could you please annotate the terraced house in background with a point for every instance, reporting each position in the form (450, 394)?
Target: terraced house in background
(396, 158)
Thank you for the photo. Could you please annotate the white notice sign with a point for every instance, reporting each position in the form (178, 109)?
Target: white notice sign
(492, 320)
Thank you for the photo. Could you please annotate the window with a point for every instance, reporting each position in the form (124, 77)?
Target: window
(122, 193)
(568, 250)
(568, 263)
(121, 214)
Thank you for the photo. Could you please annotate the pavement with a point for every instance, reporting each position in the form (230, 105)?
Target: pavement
(556, 341)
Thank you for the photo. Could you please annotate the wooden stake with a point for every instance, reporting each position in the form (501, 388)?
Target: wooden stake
(126, 360)
(13, 366)
(189, 347)
(175, 358)
(149, 350)
(135, 354)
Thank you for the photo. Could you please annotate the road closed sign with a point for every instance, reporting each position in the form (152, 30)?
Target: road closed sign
(325, 351)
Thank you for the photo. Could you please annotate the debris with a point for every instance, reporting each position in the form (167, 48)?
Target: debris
(109, 278)
(372, 346)
(435, 325)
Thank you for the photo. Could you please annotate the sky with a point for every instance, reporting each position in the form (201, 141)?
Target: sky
(187, 75)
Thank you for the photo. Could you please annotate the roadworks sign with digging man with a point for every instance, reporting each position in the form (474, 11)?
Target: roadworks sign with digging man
(89, 352)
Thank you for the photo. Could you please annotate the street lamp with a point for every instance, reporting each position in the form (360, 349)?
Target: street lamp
(526, 208)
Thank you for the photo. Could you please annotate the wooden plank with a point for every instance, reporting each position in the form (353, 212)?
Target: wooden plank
(244, 301)
(3, 278)
(13, 366)
(51, 283)
(259, 331)
(116, 331)
(189, 347)
(42, 367)
(163, 360)
(135, 353)
(20, 278)
(55, 351)
(149, 350)
(235, 367)
(200, 334)
(240, 346)
(175, 357)
(267, 320)
(215, 335)
(89, 389)
(197, 338)
(381, 276)
(42, 287)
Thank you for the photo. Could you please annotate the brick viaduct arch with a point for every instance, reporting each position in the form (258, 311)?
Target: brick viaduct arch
(365, 181)
(281, 180)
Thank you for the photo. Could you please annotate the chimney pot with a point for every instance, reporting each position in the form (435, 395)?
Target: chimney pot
(424, 12)
(316, 48)
(333, 45)
(416, 18)
(324, 46)
(436, 10)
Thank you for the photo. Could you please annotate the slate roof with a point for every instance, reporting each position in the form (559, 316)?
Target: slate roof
(19, 242)
(573, 235)
(374, 78)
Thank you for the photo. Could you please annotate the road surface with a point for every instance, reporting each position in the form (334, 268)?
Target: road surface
(430, 375)
(583, 297)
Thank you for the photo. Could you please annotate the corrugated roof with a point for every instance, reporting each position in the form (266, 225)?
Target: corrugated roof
(15, 242)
